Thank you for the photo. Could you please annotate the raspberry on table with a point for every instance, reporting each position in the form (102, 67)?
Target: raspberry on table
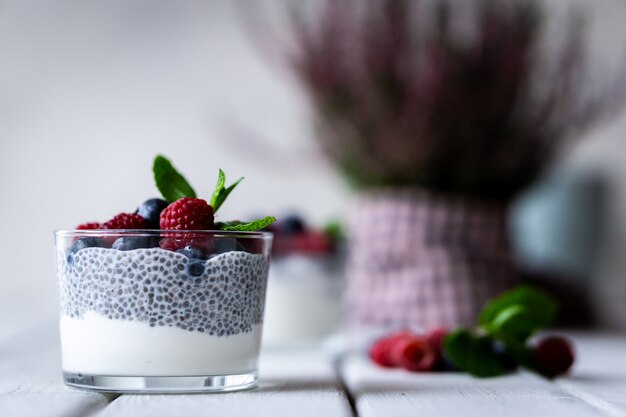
(89, 226)
(187, 213)
(126, 221)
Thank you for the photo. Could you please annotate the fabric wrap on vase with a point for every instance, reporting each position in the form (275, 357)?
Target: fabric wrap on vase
(421, 259)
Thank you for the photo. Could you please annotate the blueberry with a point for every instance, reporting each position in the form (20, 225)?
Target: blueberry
(195, 268)
(292, 225)
(192, 252)
(134, 242)
(227, 245)
(151, 211)
(87, 242)
(82, 243)
(506, 360)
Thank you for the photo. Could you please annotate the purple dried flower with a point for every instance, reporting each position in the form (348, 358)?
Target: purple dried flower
(458, 97)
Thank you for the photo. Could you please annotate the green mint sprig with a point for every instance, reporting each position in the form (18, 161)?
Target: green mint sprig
(169, 181)
(221, 192)
(173, 186)
(509, 319)
(247, 227)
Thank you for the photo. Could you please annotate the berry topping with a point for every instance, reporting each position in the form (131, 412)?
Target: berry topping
(89, 226)
(554, 356)
(135, 242)
(414, 353)
(126, 221)
(87, 242)
(192, 252)
(151, 211)
(187, 213)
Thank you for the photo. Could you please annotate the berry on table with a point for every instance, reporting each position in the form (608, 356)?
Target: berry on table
(414, 353)
(151, 211)
(381, 349)
(554, 356)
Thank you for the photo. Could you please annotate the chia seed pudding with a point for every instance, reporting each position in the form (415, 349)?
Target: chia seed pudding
(156, 312)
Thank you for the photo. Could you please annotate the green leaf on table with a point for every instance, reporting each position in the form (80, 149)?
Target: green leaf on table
(221, 191)
(518, 313)
(247, 227)
(169, 181)
(473, 354)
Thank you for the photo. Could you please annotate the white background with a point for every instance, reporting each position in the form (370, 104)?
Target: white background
(91, 90)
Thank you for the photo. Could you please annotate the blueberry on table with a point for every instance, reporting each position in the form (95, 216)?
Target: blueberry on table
(134, 242)
(151, 211)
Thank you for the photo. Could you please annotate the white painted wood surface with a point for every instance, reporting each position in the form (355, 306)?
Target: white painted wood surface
(30, 377)
(304, 383)
(597, 387)
(291, 384)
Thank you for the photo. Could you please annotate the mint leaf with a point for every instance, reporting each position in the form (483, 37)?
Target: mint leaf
(518, 313)
(250, 226)
(221, 181)
(220, 193)
(169, 181)
(473, 354)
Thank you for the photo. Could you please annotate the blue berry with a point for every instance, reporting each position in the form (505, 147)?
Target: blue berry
(227, 245)
(151, 211)
(134, 242)
(292, 225)
(87, 242)
(192, 252)
(196, 268)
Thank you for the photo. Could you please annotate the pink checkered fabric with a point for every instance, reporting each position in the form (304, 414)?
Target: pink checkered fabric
(417, 259)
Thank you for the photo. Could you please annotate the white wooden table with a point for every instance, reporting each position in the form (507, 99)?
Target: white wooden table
(311, 383)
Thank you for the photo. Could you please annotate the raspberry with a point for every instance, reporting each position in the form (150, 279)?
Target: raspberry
(187, 213)
(554, 356)
(435, 336)
(126, 221)
(380, 351)
(414, 353)
(89, 226)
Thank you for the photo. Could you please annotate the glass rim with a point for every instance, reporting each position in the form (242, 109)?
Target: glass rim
(164, 233)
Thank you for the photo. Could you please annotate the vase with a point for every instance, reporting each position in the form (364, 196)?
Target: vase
(421, 259)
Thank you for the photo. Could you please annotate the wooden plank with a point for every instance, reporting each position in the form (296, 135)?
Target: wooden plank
(379, 392)
(291, 384)
(599, 375)
(30, 378)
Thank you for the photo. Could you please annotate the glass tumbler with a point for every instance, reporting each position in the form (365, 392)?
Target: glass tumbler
(161, 311)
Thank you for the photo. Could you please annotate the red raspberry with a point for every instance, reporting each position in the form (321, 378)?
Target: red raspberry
(381, 349)
(554, 356)
(414, 353)
(187, 213)
(435, 336)
(126, 221)
(89, 226)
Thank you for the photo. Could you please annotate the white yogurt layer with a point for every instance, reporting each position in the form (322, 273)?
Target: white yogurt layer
(97, 345)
